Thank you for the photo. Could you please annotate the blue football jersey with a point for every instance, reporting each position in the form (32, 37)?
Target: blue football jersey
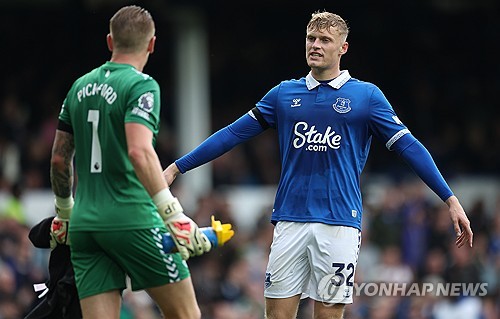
(325, 131)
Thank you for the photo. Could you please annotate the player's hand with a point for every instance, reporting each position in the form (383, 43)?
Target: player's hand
(59, 232)
(60, 223)
(170, 173)
(188, 238)
(461, 223)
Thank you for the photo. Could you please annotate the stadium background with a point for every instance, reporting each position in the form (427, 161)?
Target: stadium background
(435, 60)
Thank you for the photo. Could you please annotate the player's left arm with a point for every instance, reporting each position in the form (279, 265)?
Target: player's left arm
(386, 125)
(421, 161)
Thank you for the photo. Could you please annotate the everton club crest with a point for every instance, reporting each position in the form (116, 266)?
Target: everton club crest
(342, 105)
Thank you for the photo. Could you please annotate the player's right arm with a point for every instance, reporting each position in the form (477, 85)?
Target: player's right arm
(61, 178)
(61, 164)
(251, 124)
(190, 241)
(222, 141)
(143, 157)
(170, 173)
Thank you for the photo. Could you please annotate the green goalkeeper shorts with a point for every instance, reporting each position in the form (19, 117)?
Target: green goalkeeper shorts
(102, 261)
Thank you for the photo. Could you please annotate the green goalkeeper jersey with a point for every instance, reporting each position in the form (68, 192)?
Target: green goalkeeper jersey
(109, 196)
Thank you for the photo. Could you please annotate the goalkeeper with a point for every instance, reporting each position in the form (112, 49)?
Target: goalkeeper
(108, 123)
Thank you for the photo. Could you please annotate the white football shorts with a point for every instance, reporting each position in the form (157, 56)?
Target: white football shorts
(314, 260)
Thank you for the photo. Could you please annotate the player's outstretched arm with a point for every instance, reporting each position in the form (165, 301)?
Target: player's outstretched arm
(215, 145)
(461, 223)
(420, 160)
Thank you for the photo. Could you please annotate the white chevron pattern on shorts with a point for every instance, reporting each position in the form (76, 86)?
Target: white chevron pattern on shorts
(170, 265)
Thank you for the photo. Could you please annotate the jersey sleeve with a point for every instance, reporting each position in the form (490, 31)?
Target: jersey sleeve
(221, 142)
(267, 106)
(143, 105)
(384, 123)
(422, 163)
(64, 113)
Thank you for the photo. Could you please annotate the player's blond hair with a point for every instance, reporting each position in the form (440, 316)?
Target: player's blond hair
(323, 20)
(131, 28)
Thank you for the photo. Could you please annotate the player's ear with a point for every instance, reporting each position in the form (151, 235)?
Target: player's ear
(343, 48)
(109, 41)
(151, 45)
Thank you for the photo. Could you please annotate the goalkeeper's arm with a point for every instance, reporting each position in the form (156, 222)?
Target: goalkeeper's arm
(61, 178)
(188, 238)
(186, 234)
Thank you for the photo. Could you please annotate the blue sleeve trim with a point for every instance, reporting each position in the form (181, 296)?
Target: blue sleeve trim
(396, 137)
(220, 142)
(420, 160)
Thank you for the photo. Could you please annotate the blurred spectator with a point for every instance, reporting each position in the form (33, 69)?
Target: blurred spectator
(10, 161)
(435, 266)
(483, 261)
(384, 307)
(440, 233)
(462, 270)
(479, 217)
(13, 207)
(418, 309)
(391, 268)
(13, 119)
(463, 267)
(365, 270)
(466, 308)
(386, 220)
(415, 212)
(17, 270)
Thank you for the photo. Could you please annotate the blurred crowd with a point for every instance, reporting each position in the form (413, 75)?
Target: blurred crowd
(407, 238)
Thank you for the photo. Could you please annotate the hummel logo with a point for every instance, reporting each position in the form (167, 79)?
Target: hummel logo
(296, 102)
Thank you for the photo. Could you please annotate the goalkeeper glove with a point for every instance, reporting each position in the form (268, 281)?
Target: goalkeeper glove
(59, 232)
(188, 238)
(60, 223)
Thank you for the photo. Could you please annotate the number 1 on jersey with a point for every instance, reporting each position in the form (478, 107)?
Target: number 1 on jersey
(96, 154)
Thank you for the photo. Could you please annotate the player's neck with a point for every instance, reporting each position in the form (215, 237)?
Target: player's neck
(132, 59)
(324, 75)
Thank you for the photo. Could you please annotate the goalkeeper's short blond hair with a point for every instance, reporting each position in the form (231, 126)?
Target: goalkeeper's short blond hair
(131, 28)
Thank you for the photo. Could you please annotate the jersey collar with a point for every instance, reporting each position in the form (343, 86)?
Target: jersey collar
(335, 83)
